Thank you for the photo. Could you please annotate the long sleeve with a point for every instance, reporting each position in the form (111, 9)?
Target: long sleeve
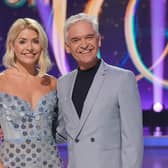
(61, 135)
(131, 123)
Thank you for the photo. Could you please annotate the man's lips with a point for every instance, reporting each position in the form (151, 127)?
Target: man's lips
(86, 51)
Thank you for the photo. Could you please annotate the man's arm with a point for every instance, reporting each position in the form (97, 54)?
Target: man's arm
(60, 135)
(131, 123)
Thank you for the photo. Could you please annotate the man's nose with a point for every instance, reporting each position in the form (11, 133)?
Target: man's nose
(84, 44)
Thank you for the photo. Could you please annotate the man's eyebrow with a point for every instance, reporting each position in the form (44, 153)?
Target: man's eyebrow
(90, 34)
(76, 37)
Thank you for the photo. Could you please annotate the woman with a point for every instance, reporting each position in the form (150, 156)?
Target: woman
(27, 99)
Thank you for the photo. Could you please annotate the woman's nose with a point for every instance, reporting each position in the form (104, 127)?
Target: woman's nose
(30, 46)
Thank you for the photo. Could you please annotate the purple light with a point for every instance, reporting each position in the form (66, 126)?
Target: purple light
(158, 29)
(157, 132)
(46, 14)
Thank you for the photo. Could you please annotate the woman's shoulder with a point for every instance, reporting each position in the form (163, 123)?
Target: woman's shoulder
(3, 79)
(3, 75)
(52, 80)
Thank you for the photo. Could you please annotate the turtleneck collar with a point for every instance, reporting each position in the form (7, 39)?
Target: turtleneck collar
(94, 68)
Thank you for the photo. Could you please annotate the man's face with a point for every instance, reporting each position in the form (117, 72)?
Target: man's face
(83, 43)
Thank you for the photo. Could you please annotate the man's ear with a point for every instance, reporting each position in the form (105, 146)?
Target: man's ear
(99, 40)
(67, 48)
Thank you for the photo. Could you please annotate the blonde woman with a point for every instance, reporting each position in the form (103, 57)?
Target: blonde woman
(27, 99)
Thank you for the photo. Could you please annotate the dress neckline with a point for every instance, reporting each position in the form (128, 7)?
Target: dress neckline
(33, 109)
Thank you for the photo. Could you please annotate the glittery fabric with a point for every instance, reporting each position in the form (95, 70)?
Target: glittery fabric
(28, 141)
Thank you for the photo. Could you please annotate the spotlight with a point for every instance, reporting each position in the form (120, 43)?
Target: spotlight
(158, 107)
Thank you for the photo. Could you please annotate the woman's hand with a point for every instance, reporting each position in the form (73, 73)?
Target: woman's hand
(1, 133)
(1, 165)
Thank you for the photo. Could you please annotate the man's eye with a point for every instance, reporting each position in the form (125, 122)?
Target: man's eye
(90, 37)
(74, 40)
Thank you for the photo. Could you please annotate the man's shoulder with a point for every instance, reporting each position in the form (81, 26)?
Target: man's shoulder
(117, 70)
(67, 76)
(119, 75)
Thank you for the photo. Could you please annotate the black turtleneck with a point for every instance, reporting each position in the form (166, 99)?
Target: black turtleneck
(82, 84)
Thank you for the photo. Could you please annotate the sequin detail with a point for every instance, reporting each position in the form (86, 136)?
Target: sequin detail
(28, 138)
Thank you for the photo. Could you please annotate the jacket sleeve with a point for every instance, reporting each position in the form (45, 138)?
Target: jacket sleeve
(131, 123)
(61, 135)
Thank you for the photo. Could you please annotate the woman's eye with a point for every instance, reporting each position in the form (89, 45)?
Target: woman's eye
(22, 42)
(36, 41)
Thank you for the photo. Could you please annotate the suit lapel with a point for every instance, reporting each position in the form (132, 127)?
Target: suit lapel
(92, 95)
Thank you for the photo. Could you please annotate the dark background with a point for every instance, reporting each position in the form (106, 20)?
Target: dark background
(114, 49)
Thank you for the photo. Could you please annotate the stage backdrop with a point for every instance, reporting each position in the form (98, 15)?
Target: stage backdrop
(134, 36)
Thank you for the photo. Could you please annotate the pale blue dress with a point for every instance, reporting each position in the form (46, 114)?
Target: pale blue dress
(28, 141)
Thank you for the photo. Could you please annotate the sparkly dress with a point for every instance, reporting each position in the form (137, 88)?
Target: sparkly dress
(28, 141)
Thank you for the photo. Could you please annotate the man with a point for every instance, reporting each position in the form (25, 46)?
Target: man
(99, 104)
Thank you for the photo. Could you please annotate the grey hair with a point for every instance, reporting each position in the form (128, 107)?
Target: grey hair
(80, 17)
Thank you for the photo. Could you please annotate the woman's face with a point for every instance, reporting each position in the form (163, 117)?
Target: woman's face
(27, 48)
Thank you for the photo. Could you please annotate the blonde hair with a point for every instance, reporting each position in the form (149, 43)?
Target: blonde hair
(19, 25)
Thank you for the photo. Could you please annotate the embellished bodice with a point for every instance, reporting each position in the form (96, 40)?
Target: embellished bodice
(19, 122)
